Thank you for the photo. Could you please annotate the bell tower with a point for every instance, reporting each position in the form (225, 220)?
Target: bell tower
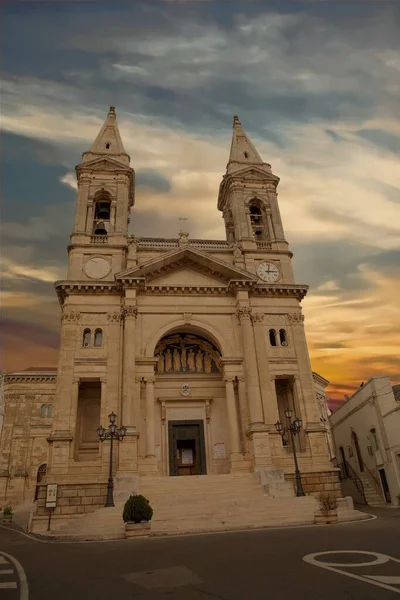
(248, 197)
(105, 197)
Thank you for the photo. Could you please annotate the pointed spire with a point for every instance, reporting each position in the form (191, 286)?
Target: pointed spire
(243, 153)
(108, 141)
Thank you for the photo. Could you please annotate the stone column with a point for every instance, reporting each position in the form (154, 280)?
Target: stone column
(150, 434)
(251, 371)
(244, 411)
(89, 222)
(233, 424)
(128, 378)
(112, 215)
(270, 228)
(257, 433)
(268, 394)
(74, 406)
(128, 449)
(81, 205)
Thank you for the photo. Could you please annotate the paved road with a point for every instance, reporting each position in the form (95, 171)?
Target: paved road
(256, 565)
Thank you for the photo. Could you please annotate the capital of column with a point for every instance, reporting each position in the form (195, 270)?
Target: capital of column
(244, 313)
(296, 318)
(229, 379)
(70, 316)
(149, 380)
(115, 317)
(258, 318)
(129, 312)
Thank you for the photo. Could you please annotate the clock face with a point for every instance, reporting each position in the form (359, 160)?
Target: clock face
(268, 272)
(97, 267)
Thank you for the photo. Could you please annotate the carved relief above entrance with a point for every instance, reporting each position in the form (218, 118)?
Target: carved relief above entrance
(186, 353)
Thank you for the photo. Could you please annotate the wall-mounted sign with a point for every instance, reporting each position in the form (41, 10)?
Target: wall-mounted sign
(187, 456)
(51, 495)
(219, 450)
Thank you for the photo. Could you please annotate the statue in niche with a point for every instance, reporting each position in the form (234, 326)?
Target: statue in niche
(199, 361)
(190, 361)
(176, 360)
(183, 355)
(237, 253)
(168, 360)
(207, 363)
(186, 354)
(160, 363)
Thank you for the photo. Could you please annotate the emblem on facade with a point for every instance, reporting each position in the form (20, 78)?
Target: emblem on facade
(186, 354)
(185, 389)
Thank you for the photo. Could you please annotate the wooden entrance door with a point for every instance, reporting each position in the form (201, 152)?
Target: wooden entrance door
(186, 448)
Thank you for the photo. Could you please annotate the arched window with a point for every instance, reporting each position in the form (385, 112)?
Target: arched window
(49, 411)
(272, 337)
(374, 439)
(86, 339)
(43, 411)
(41, 472)
(108, 145)
(98, 337)
(282, 337)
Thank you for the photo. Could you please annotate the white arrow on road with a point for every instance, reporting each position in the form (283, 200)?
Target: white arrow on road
(382, 581)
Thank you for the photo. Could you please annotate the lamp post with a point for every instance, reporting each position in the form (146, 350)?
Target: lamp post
(294, 428)
(119, 434)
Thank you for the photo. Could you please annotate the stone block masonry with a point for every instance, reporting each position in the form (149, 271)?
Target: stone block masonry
(315, 483)
(73, 499)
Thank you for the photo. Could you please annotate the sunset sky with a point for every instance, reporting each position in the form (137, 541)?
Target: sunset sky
(316, 85)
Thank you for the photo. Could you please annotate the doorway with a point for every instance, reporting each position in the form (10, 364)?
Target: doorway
(186, 447)
(385, 485)
(358, 451)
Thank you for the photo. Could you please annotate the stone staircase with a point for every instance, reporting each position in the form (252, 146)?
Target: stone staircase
(372, 494)
(199, 504)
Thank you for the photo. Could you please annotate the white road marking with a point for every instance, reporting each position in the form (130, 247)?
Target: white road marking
(23, 582)
(385, 578)
(380, 559)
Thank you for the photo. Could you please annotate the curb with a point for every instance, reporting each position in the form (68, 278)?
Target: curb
(60, 540)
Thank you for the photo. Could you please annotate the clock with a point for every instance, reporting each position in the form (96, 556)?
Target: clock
(268, 272)
(97, 267)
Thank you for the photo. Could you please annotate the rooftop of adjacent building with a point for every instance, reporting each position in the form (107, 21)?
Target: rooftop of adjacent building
(379, 388)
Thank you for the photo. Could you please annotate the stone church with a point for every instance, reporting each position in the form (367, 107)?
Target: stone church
(198, 346)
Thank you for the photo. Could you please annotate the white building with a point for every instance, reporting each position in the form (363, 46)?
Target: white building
(366, 431)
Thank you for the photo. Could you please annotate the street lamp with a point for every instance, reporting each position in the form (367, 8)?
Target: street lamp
(119, 434)
(294, 428)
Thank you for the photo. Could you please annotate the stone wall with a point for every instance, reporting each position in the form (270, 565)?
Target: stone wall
(315, 483)
(73, 499)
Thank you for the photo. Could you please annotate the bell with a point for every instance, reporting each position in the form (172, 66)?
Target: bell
(100, 229)
(104, 213)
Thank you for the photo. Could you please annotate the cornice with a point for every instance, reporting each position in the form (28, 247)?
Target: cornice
(29, 377)
(67, 288)
(288, 290)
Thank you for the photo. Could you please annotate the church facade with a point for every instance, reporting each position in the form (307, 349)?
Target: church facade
(198, 346)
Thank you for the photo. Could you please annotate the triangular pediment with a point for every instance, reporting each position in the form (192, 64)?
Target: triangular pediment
(187, 267)
(103, 164)
(254, 173)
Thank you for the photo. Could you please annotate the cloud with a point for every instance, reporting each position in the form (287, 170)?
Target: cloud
(316, 86)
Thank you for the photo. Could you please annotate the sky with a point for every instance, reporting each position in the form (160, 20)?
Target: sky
(316, 86)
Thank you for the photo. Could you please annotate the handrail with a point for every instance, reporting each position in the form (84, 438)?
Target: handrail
(376, 482)
(355, 478)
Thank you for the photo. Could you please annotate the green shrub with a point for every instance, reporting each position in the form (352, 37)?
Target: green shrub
(137, 509)
(7, 510)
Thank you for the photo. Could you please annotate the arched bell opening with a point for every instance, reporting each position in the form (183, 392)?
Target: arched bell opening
(102, 213)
